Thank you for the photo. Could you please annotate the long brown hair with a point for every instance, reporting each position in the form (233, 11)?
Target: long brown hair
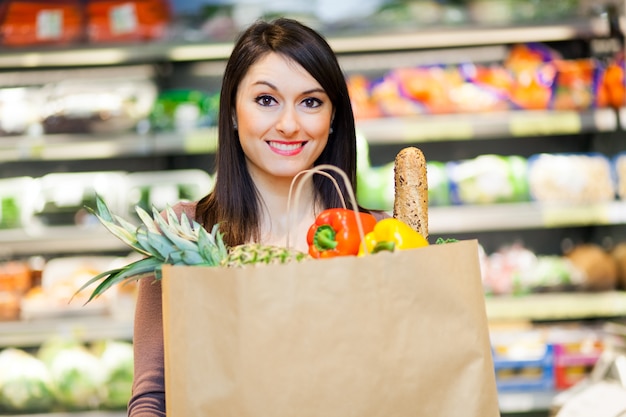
(234, 202)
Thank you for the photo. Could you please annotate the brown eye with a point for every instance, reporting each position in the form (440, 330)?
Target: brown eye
(312, 102)
(265, 100)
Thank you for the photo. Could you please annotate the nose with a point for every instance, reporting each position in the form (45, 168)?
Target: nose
(288, 124)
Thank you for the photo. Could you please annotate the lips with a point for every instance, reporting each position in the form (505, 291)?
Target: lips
(286, 148)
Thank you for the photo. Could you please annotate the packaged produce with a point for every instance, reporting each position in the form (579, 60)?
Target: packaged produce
(486, 88)
(19, 110)
(534, 72)
(515, 269)
(184, 110)
(60, 279)
(386, 92)
(123, 20)
(63, 196)
(363, 105)
(35, 22)
(574, 85)
(611, 88)
(17, 199)
(599, 269)
(96, 106)
(488, 179)
(571, 178)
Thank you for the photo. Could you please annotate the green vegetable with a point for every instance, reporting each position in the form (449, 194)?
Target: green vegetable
(79, 378)
(117, 361)
(25, 383)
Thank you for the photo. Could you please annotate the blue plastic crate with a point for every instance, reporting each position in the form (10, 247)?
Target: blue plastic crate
(530, 374)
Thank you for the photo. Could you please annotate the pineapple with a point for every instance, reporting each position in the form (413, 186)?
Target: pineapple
(255, 253)
(177, 242)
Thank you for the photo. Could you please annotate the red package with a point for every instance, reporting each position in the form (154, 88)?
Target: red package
(32, 22)
(120, 20)
(611, 90)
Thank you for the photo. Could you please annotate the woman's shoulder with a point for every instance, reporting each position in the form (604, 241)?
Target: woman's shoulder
(187, 207)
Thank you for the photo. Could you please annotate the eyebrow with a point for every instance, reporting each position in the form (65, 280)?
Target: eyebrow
(273, 87)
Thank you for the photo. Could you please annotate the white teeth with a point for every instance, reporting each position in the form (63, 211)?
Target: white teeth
(286, 146)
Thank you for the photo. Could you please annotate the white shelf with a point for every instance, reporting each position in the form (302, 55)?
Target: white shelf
(95, 146)
(445, 37)
(489, 125)
(25, 333)
(58, 239)
(519, 216)
(556, 306)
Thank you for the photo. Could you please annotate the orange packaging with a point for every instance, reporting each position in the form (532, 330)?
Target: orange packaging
(123, 20)
(15, 276)
(34, 22)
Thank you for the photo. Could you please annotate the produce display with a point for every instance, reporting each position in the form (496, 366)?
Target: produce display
(65, 375)
(515, 269)
(531, 77)
(576, 178)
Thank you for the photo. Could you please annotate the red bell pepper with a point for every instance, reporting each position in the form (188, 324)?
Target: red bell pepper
(336, 233)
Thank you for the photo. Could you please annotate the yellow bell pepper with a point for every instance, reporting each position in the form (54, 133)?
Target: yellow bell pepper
(391, 234)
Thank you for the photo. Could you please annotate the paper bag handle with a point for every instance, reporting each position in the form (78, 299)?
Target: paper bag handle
(319, 169)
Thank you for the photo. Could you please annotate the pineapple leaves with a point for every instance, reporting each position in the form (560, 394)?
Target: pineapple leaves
(133, 270)
(120, 228)
(162, 238)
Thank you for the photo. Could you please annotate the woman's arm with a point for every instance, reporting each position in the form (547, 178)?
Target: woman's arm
(148, 397)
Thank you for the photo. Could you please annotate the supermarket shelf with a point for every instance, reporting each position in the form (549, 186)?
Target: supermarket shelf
(94, 146)
(556, 306)
(25, 333)
(466, 126)
(377, 131)
(95, 55)
(52, 240)
(525, 402)
(442, 220)
(519, 216)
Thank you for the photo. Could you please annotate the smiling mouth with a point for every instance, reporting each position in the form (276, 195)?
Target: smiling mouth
(286, 148)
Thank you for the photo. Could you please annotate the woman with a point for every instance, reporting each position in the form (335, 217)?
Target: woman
(284, 108)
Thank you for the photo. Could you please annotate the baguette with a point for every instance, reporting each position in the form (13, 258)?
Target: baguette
(411, 189)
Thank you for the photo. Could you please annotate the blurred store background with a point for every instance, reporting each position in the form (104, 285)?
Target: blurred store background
(518, 105)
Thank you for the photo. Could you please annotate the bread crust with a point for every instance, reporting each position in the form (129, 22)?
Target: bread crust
(411, 189)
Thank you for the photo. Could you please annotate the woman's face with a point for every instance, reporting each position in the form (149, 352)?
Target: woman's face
(283, 116)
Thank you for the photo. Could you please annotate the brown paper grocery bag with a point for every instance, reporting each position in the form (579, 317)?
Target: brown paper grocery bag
(387, 335)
